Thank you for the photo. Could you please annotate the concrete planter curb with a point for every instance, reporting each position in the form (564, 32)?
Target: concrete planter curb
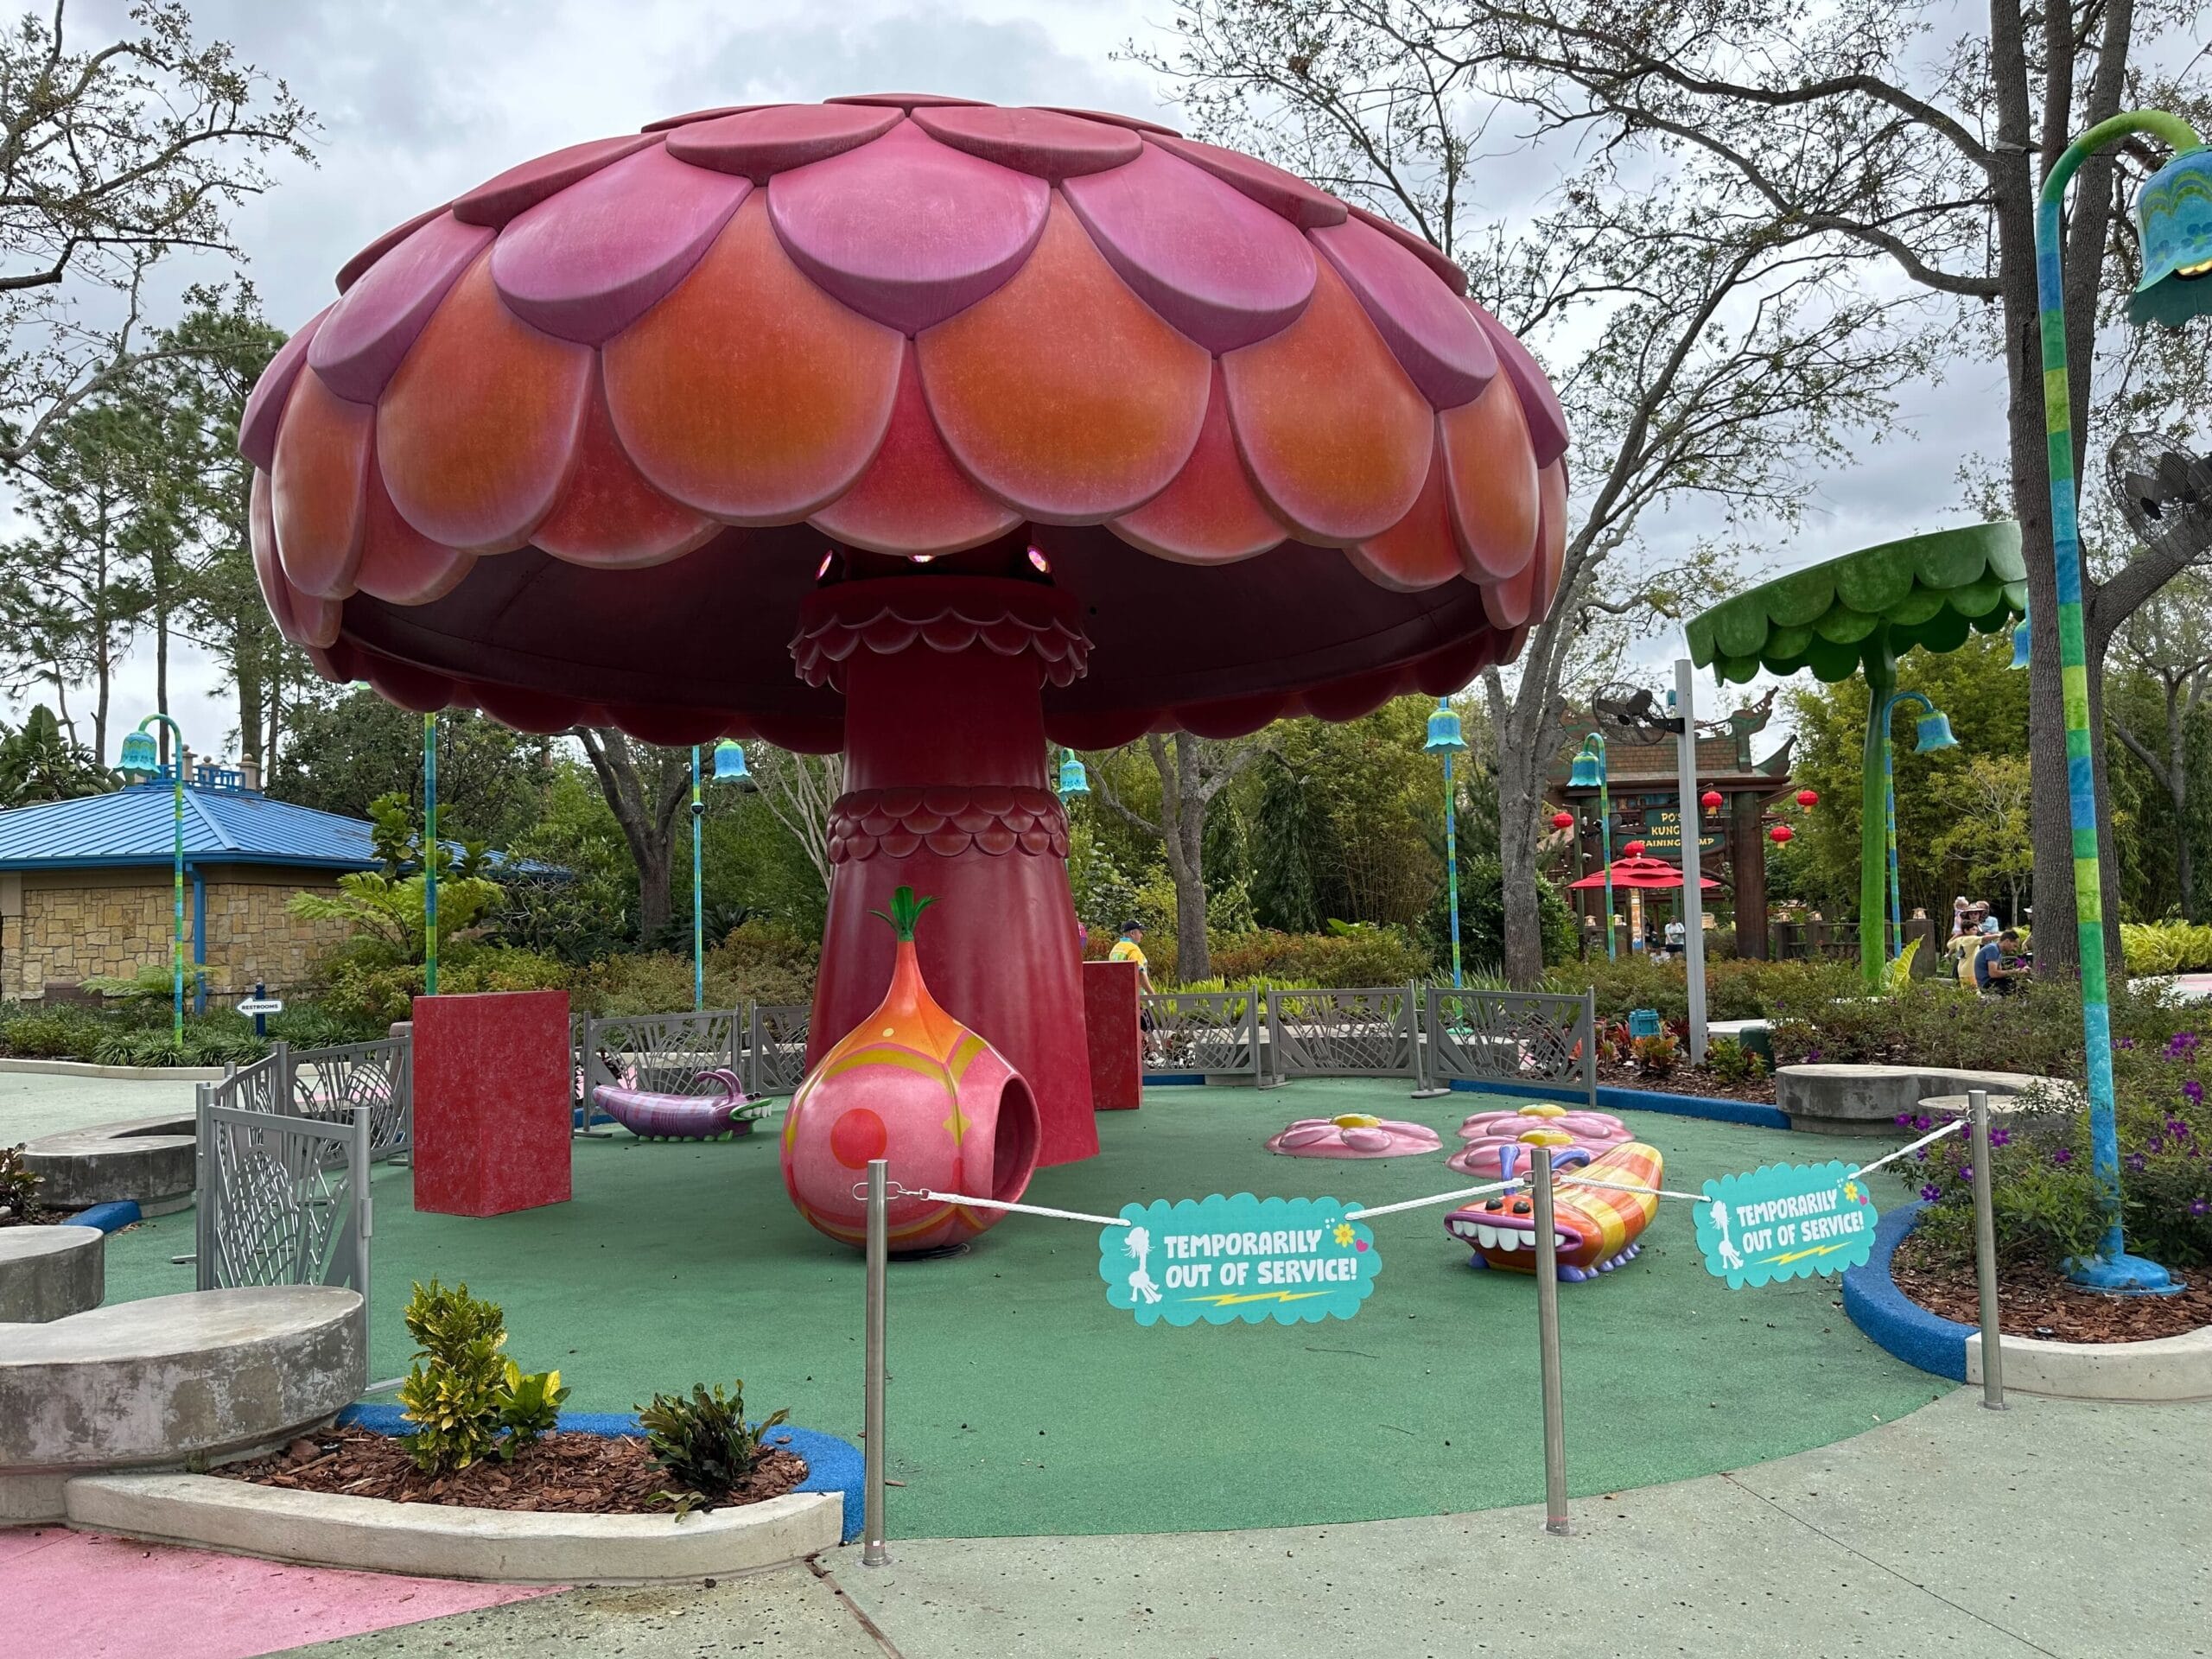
(2167, 1368)
(151, 1161)
(440, 1540)
(49, 1273)
(119, 1073)
(1840, 1099)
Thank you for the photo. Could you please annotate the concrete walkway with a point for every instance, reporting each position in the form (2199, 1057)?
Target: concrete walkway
(2058, 1527)
(33, 1104)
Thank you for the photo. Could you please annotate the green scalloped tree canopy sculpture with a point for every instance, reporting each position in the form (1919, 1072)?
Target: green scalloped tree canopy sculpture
(1859, 614)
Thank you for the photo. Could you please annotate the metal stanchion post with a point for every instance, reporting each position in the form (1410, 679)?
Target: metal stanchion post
(873, 1553)
(1985, 1256)
(1540, 1162)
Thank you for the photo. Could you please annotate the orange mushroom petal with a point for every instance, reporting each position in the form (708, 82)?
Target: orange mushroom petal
(1492, 473)
(1420, 552)
(1208, 515)
(1336, 437)
(608, 515)
(1063, 393)
(912, 498)
(317, 487)
(399, 564)
(477, 429)
(748, 393)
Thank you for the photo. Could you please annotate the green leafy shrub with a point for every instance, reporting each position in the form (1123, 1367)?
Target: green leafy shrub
(1732, 1063)
(63, 1033)
(19, 1187)
(466, 1399)
(2043, 1191)
(1654, 1057)
(703, 1444)
(2166, 947)
(1348, 955)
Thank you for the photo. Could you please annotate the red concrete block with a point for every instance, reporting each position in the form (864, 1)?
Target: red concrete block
(491, 1101)
(1110, 1009)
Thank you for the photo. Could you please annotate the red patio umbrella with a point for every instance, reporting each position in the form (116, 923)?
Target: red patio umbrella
(1642, 872)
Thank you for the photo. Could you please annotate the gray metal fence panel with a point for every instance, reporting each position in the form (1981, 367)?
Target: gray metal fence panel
(1366, 1032)
(328, 1084)
(775, 1047)
(1511, 1037)
(662, 1053)
(285, 1200)
(1214, 1032)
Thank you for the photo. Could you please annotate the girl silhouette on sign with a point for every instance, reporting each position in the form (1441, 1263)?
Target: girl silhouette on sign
(1141, 1288)
(1728, 1257)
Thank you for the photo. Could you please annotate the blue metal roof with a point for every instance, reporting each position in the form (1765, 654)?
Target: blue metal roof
(221, 826)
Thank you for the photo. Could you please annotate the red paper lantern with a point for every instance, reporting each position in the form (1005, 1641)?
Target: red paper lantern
(1634, 849)
(1710, 800)
(1808, 798)
(1780, 833)
(1562, 820)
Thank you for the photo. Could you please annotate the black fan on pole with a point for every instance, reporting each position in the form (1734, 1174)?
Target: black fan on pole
(1632, 713)
(2164, 494)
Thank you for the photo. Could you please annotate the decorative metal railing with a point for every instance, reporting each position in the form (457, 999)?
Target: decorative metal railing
(1509, 1036)
(282, 1199)
(1367, 1033)
(775, 1047)
(330, 1084)
(1214, 1032)
(764, 1043)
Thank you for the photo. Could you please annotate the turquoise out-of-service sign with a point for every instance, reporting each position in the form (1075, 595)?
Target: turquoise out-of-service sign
(1785, 1221)
(1223, 1259)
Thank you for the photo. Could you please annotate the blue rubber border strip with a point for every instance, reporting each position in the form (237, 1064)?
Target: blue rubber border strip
(832, 1464)
(1896, 1322)
(108, 1217)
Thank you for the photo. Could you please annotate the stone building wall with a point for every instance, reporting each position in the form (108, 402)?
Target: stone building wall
(60, 928)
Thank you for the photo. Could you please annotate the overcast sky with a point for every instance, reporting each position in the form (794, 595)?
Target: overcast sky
(420, 99)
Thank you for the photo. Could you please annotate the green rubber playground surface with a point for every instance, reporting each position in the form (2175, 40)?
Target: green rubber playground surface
(1020, 1403)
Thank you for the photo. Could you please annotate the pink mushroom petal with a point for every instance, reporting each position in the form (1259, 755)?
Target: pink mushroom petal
(317, 488)
(1448, 269)
(1209, 514)
(1218, 265)
(1546, 421)
(905, 230)
(1420, 550)
(1279, 191)
(363, 336)
(909, 100)
(912, 498)
(350, 272)
(1113, 118)
(608, 515)
(1042, 142)
(760, 143)
(1434, 337)
(500, 199)
(399, 564)
(585, 264)
(693, 117)
(1491, 472)
(264, 405)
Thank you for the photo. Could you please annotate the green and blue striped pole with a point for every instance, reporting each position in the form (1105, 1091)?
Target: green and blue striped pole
(1890, 815)
(2111, 1268)
(176, 893)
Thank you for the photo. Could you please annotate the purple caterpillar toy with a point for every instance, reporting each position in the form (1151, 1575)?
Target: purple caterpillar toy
(681, 1117)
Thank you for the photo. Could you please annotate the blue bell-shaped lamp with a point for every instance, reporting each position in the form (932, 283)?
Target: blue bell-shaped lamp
(2173, 218)
(1935, 733)
(1074, 780)
(1444, 729)
(729, 762)
(142, 756)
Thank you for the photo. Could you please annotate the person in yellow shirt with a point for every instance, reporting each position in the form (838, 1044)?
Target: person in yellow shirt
(1130, 948)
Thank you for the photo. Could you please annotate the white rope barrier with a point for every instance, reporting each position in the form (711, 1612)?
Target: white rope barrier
(1623, 1186)
(1019, 1208)
(1441, 1198)
(1955, 1128)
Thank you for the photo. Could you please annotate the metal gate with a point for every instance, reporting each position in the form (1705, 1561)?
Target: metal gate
(1510, 1037)
(282, 1200)
(1210, 1032)
(1368, 1033)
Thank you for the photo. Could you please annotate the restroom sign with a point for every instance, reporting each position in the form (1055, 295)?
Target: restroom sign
(1223, 1259)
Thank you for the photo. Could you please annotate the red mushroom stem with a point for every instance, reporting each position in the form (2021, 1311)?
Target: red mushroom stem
(943, 677)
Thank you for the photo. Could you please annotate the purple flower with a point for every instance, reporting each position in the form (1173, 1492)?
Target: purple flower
(2063, 1155)
(2182, 1044)
(1812, 1057)
(2123, 1042)
(2000, 1137)
(1931, 1191)
(1904, 1120)
(2157, 1144)
(2198, 1207)
(2135, 1161)
(2193, 1092)
(1966, 1171)
(2178, 1127)
(1920, 1121)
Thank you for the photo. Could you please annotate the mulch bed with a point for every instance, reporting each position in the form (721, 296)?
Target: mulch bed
(2034, 1299)
(562, 1473)
(1685, 1081)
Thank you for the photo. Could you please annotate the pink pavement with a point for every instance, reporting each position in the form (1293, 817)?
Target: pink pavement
(75, 1595)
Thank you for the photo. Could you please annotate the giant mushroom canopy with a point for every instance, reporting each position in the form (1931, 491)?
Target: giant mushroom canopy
(924, 429)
